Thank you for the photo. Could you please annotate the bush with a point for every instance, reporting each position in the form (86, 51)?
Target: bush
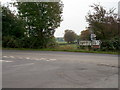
(9, 41)
(51, 43)
(111, 45)
(88, 48)
(28, 42)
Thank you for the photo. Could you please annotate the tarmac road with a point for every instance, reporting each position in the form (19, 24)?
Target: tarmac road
(53, 69)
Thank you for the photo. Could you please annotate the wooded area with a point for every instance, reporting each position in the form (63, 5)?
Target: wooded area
(33, 26)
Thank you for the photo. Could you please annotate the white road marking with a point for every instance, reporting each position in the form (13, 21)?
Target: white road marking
(37, 59)
(12, 57)
(1, 60)
(42, 58)
(23, 64)
(5, 61)
(27, 58)
(5, 56)
(8, 61)
(52, 59)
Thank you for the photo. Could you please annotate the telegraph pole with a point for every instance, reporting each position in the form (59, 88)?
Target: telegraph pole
(118, 22)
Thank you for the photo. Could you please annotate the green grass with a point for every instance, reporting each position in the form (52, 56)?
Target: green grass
(62, 42)
(67, 48)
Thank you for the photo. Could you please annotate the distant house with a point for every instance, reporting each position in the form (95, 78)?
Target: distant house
(60, 39)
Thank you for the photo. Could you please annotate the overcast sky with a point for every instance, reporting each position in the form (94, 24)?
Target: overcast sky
(74, 13)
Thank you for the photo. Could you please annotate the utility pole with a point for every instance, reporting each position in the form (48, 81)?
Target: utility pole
(118, 17)
(92, 35)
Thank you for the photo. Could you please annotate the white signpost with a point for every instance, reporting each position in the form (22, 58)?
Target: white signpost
(93, 36)
(85, 43)
(93, 43)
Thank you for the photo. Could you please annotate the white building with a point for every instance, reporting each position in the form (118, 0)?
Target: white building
(119, 9)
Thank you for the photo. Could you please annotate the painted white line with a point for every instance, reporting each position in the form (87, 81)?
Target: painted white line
(43, 59)
(5, 56)
(38, 59)
(52, 59)
(23, 65)
(8, 61)
(12, 57)
(5, 61)
(27, 58)
(1, 60)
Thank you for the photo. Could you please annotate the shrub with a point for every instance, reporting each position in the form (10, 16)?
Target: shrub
(51, 43)
(9, 41)
(111, 45)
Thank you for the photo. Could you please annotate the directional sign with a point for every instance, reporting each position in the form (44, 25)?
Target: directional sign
(96, 42)
(85, 43)
(92, 36)
(93, 43)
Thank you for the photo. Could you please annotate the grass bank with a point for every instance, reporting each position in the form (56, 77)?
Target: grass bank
(64, 49)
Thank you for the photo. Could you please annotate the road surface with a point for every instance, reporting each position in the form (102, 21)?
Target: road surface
(51, 69)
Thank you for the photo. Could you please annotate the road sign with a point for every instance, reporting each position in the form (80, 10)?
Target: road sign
(93, 37)
(93, 43)
(85, 43)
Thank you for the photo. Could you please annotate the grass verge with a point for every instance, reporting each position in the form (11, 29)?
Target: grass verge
(64, 49)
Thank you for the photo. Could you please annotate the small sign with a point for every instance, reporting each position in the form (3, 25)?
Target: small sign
(96, 42)
(93, 43)
(93, 36)
(85, 43)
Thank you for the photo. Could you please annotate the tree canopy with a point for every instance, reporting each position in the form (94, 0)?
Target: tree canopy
(11, 25)
(103, 23)
(85, 35)
(41, 18)
(34, 24)
(70, 36)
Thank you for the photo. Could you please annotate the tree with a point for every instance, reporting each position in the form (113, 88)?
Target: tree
(70, 36)
(11, 25)
(103, 23)
(42, 18)
(85, 35)
(12, 28)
